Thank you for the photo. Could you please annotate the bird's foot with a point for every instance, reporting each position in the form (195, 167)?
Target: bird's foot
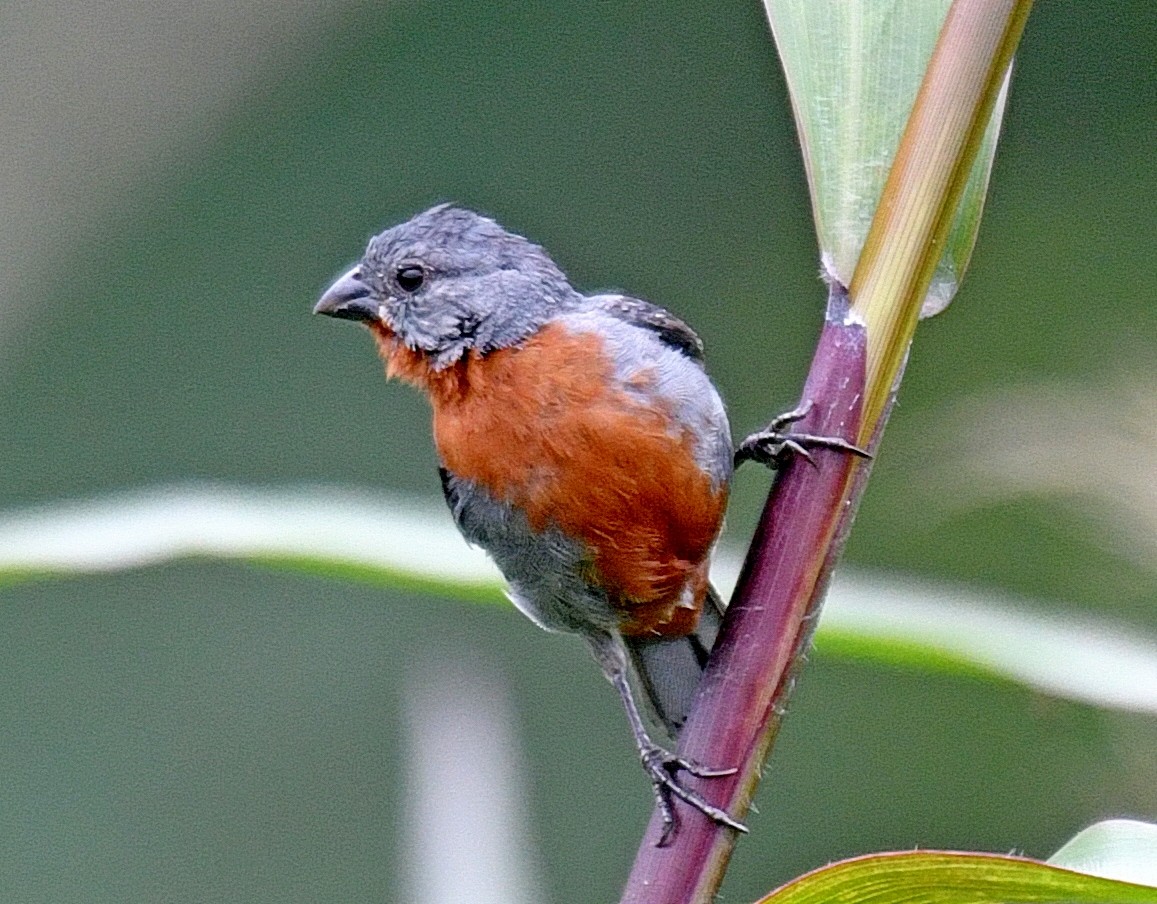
(662, 768)
(776, 443)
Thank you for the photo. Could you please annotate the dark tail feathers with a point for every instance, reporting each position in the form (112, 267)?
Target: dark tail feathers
(667, 669)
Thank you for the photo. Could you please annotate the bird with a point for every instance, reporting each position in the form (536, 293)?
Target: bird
(581, 443)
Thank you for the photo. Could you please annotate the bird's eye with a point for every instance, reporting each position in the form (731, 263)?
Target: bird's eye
(410, 277)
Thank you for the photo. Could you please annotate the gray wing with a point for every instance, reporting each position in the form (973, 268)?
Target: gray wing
(670, 329)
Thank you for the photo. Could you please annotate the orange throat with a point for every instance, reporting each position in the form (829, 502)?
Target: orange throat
(415, 367)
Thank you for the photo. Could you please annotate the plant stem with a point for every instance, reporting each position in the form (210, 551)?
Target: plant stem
(852, 383)
(742, 697)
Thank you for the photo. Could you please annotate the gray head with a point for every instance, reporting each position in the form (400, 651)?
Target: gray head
(450, 280)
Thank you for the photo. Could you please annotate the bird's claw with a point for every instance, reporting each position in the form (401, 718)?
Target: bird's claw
(662, 767)
(775, 444)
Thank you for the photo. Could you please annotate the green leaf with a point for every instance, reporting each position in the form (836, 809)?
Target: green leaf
(412, 545)
(951, 877)
(331, 532)
(946, 627)
(853, 69)
(1121, 849)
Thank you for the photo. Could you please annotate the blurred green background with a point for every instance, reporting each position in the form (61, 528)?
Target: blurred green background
(180, 185)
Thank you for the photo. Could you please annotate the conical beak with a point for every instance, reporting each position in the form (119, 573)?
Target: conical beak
(349, 299)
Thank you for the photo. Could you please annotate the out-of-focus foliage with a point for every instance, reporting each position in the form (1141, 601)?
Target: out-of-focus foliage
(417, 548)
(1123, 849)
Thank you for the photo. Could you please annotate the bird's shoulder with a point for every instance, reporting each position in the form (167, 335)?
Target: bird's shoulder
(668, 328)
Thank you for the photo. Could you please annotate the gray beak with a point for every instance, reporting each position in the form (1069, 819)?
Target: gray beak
(349, 299)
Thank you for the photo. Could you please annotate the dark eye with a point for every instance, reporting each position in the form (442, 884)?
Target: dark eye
(410, 278)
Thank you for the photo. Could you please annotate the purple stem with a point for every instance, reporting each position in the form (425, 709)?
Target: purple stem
(743, 694)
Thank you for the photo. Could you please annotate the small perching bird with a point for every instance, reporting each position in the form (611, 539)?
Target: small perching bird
(582, 444)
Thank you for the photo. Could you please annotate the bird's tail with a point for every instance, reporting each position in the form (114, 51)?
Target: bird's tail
(667, 669)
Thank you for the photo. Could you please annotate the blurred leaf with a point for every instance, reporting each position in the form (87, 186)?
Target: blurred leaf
(411, 545)
(1102, 471)
(951, 877)
(1122, 849)
(1087, 659)
(326, 531)
(468, 831)
(853, 70)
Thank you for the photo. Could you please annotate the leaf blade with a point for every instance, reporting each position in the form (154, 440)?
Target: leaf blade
(1123, 849)
(853, 70)
(954, 877)
(413, 546)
